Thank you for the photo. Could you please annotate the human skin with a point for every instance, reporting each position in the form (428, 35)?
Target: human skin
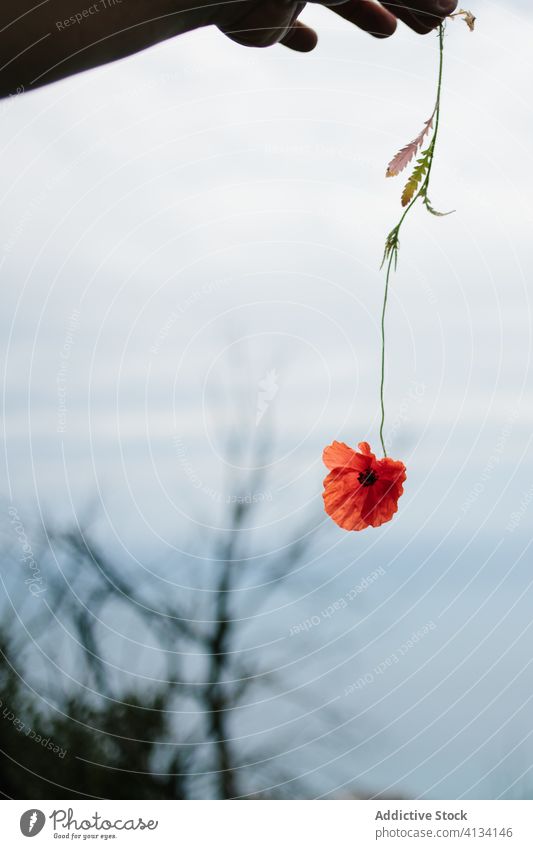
(46, 40)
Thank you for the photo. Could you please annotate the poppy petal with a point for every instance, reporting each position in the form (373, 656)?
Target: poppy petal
(389, 469)
(338, 455)
(340, 500)
(381, 503)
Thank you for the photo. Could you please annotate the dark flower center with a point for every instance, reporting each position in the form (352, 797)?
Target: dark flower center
(367, 478)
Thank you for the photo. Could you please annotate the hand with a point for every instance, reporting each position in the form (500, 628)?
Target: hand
(261, 23)
(64, 40)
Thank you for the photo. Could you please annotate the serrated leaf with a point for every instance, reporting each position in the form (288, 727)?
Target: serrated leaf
(407, 153)
(416, 178)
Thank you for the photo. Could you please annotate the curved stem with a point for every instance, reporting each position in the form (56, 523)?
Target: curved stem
(437, 105)
(382, 387)
(391, 252)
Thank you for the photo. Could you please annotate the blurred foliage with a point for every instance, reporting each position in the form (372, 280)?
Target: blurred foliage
(69, 725)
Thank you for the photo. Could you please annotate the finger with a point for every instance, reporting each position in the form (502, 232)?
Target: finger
(300, 38)
(422, 16)
(439, 9)
(407, 16)
(264, 24)
(368, 16)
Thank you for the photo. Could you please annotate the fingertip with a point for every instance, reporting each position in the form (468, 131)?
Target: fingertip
(301, 38)
(388, 28)
(374, 19)
(307, 44)
(446, 7)
(419, 25)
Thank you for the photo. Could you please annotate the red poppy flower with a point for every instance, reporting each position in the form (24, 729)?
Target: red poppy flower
(360, 490)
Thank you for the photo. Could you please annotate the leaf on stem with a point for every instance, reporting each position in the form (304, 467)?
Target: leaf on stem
(427, 204)
(392, 246)
(406, 154)
(417, 176)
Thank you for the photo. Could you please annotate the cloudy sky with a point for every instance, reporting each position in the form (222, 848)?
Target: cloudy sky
(195, 233)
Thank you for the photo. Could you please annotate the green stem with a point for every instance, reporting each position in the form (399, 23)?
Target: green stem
(437, 105)
(392, 257)
(382, 387)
